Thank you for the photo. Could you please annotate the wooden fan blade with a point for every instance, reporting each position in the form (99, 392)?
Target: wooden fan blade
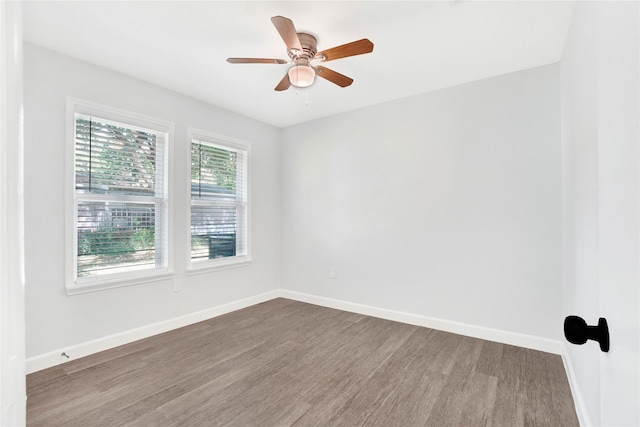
(284, 83)
(287, 31)
(334, 77)
(350, 49)
(256, 61)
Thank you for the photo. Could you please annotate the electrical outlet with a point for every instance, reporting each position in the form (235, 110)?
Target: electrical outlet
(177, 285)
(332, 272)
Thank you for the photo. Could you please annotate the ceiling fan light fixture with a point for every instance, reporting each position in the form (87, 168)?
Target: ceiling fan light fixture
(302, 50)
(302, 75)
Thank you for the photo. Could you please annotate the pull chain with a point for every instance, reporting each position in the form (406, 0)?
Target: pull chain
(306, 95)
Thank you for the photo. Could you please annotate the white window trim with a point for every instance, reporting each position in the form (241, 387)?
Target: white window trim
(228, 262)
(96, 283)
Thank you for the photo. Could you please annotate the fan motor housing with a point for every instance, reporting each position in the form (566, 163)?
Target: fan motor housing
(309, 47)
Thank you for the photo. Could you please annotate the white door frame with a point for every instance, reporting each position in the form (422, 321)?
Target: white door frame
(13, 397)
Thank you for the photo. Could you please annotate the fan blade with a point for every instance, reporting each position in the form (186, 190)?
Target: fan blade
(256, 61)
(287, 32)
(350, 49)
(334, 77)
(284, 83)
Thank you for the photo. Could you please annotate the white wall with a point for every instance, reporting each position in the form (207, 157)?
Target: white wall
(601, 192)
(54, 320)
(446, 204)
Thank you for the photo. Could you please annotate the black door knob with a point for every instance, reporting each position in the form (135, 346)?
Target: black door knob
(576, 331)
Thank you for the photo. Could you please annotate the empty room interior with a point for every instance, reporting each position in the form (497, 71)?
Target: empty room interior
(320, 213)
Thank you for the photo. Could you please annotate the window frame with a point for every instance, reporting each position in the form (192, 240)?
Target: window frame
(76, 285)
(204, 266)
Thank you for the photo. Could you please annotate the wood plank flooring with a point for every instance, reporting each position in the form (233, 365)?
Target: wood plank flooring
(285, 363)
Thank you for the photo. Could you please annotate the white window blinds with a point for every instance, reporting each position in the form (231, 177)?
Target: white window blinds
(218, 201)
(120, 197)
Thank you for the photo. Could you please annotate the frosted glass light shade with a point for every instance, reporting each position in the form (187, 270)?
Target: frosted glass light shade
(302, 75)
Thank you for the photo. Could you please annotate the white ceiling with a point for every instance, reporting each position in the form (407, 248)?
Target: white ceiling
(419, 46)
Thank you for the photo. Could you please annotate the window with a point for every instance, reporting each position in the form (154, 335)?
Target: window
(219, 199)
(120, 224)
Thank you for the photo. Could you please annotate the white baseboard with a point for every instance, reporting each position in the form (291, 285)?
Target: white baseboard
(581, 409)
(496, 335)
(54, 358)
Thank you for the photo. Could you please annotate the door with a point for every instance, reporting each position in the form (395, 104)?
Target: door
(619, 199)
(12, 339)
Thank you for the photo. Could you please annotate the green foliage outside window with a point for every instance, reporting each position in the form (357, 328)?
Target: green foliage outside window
(213, 166)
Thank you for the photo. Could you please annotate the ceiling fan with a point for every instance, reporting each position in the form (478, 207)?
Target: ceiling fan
(301, 48)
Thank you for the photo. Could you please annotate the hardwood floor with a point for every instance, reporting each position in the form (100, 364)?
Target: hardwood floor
(284, 363)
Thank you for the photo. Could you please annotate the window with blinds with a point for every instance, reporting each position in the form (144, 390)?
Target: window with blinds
(219, 188)
(120, 199)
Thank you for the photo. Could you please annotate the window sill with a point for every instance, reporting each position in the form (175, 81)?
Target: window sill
(216, 265)
(100, 284)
